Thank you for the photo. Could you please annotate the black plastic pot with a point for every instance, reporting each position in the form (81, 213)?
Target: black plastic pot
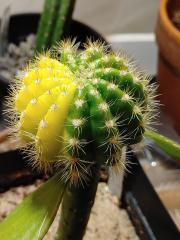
(149, 216)
(23, 24)
(13, 168)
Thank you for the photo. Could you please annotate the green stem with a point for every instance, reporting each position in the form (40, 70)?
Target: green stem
(46, 24)
(63, 19)
(33, 217)
(168, 146)
(76, 208)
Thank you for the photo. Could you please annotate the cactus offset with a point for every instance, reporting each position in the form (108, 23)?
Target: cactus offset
(77, 111)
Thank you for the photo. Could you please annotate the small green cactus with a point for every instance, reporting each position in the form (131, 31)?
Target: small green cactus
(76, 111)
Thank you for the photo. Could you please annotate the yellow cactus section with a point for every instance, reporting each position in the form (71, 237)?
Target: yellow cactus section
(42, 67)
(35, 111)
(50, 131)
(35, 89)
(43, 98)
(46, 74)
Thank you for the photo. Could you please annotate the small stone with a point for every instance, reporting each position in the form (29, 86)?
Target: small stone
(12, 49)
(31, 40)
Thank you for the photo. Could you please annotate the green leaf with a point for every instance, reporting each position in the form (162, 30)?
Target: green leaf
(32, 218)
(170, 147)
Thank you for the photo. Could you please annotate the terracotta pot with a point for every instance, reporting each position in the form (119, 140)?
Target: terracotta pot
(168, 77)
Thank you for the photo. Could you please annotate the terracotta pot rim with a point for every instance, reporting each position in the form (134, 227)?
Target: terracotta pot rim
(166, 20)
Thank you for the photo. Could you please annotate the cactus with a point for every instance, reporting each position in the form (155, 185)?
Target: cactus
(76, 111)
(81, 99)
(63, 19)
(55, 19)
(46, 24)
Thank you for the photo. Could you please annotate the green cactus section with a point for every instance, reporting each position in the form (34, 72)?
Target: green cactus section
(77, 110)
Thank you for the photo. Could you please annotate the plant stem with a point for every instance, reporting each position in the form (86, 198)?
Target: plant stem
(168, 146)
(46, 24)
(76, 208)
(33, 217)
(63, 19)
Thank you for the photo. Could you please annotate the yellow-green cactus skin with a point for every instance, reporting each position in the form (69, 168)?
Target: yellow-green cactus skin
(68, 102)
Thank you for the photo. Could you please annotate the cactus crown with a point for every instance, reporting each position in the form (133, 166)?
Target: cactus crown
(68, 104)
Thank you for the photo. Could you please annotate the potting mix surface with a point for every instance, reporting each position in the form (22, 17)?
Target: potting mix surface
(107, 220)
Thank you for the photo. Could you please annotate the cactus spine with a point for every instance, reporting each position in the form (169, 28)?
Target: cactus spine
(77, 111)
(55, 19)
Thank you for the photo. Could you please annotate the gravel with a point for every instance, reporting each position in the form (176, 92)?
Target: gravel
(16, 57)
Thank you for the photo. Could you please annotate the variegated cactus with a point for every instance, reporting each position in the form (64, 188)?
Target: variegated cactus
(77, 110)
(66, 103)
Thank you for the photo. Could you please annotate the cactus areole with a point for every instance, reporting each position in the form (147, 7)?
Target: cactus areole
(68, 104)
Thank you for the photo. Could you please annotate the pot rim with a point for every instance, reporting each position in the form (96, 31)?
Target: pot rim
(166, 20)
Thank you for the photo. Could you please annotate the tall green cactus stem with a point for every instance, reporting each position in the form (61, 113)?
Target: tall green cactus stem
(76, 111)
(55, 19)
(46, 24)
(63, 19)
